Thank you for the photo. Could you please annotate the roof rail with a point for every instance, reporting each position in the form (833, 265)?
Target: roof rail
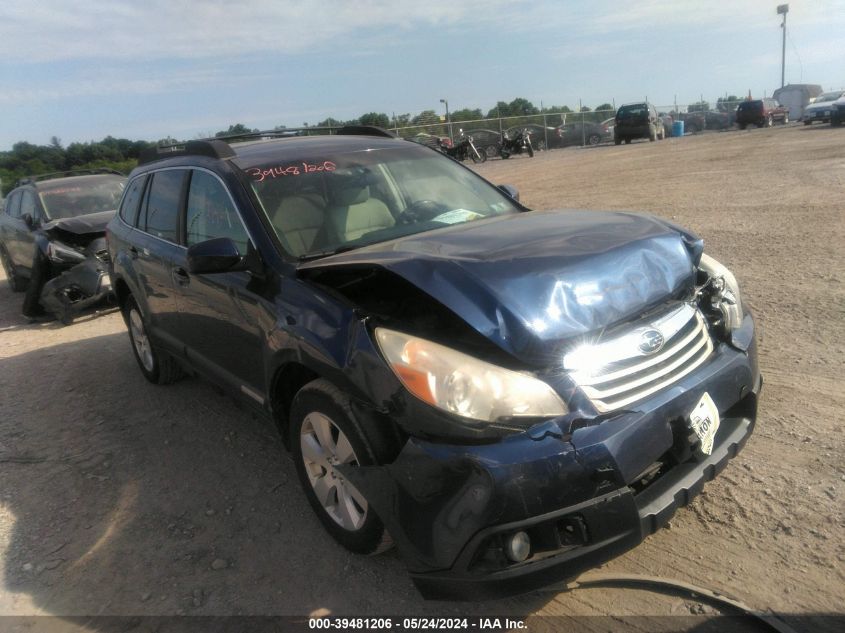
(213, 148)
(361, 130)
(64, 174)
(218, 147)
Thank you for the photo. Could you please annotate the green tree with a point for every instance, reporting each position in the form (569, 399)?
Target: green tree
(466, 114)
(727, 104)
(698, 106)
(426, 117)
(501, 109)
(605, 107)
(522, 107)
(375, 118)
(236, 129)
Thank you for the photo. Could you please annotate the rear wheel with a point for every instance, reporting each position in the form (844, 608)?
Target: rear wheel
(652, 133)
(617, 141)
(593, 139)
(808, 122)
(326, 439)
(742, 126)
(627, 141)
(158, 367)
(16, 282)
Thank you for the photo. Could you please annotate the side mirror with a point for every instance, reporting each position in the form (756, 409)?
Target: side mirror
(510, 190)
(219, 255)
(27, 219)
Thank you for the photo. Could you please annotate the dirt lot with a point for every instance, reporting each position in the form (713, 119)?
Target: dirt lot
(118, 497)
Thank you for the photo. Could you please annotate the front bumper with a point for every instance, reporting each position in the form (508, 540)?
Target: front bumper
(584, 496)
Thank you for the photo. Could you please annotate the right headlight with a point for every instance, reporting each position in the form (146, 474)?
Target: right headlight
(464, 385)
(725, 291)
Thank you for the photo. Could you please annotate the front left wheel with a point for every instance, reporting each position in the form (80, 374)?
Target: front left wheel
(326, 438)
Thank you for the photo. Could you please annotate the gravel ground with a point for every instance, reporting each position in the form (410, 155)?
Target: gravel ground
(121, 498)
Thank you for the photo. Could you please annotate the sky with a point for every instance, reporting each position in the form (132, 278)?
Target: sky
(81, 70)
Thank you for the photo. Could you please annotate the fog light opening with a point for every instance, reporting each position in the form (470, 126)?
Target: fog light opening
(517, 546)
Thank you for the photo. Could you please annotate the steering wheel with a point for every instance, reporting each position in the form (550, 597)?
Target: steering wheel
(421, 211)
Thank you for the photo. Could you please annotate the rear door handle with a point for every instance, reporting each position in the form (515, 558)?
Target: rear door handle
(180, 276)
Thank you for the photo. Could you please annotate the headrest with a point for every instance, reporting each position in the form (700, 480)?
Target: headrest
(350, 187)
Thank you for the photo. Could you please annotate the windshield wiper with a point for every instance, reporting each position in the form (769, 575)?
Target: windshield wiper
(327, 253)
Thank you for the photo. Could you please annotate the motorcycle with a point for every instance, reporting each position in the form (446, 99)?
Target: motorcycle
(521, 142)
(462, 149)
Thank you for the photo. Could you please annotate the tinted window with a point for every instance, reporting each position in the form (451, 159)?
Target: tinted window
(28, 204)
(211, 212)
(165, 196)
(132, 199)
(13, 204)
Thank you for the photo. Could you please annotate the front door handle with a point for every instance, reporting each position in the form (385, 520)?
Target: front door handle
(180, 276)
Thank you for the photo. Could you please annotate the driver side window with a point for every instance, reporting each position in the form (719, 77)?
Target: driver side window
(211, 213)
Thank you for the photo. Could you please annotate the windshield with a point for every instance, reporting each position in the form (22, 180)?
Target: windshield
(828, 96)
(81, 197)
(340, 202)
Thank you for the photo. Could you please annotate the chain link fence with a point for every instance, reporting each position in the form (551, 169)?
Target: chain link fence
(561, 129)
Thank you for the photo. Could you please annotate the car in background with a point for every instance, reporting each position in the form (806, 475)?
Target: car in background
(667, 120)
(542, 137)
(52, 239)
(837, 112)
(583, 134)
(820, 110)
(509, 396)
(699, 121)
(637, 120)
(608, 124)
(487, 141)
(761, 112)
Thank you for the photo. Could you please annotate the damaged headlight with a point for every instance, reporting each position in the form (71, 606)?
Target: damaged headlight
(62, 254)
(724, 291)
(463, 385)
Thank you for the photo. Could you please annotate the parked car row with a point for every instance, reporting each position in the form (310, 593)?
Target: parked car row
(510, 397)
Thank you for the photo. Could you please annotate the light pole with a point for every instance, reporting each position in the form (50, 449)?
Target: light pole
(448, 118)
(783, 9)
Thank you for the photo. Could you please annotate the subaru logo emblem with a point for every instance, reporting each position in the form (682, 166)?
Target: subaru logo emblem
(651, 341)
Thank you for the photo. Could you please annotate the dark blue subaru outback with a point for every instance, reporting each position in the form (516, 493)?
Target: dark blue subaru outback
(508, 396)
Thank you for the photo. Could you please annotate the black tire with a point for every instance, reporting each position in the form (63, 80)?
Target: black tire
(492, 151)
(652, 133)
(742, 126)
(529, 149)
(808, 122)
(627, 141)
(593, 139)
(16, 282)
(39, 275)
(160, 368)
(770, 121)
(317, 402)
(506, 154)
(835, 118)
(478, 156)
(692, 128)
(540, 146)
(617, 141)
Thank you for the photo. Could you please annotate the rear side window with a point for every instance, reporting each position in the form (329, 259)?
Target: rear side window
(163, 203)
(13, 204)
(132, 200)
(28, 204)
(211, 213)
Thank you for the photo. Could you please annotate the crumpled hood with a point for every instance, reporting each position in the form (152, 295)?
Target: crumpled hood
(529, 280)
(82, 224)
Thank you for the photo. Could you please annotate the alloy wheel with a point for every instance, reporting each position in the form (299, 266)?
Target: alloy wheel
(140, 340)
(324, 447)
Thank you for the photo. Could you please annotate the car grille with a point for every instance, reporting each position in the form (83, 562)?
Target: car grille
(630, 374)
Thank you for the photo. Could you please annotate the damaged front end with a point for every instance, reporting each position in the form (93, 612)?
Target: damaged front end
(498, 498)
(70, 268)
